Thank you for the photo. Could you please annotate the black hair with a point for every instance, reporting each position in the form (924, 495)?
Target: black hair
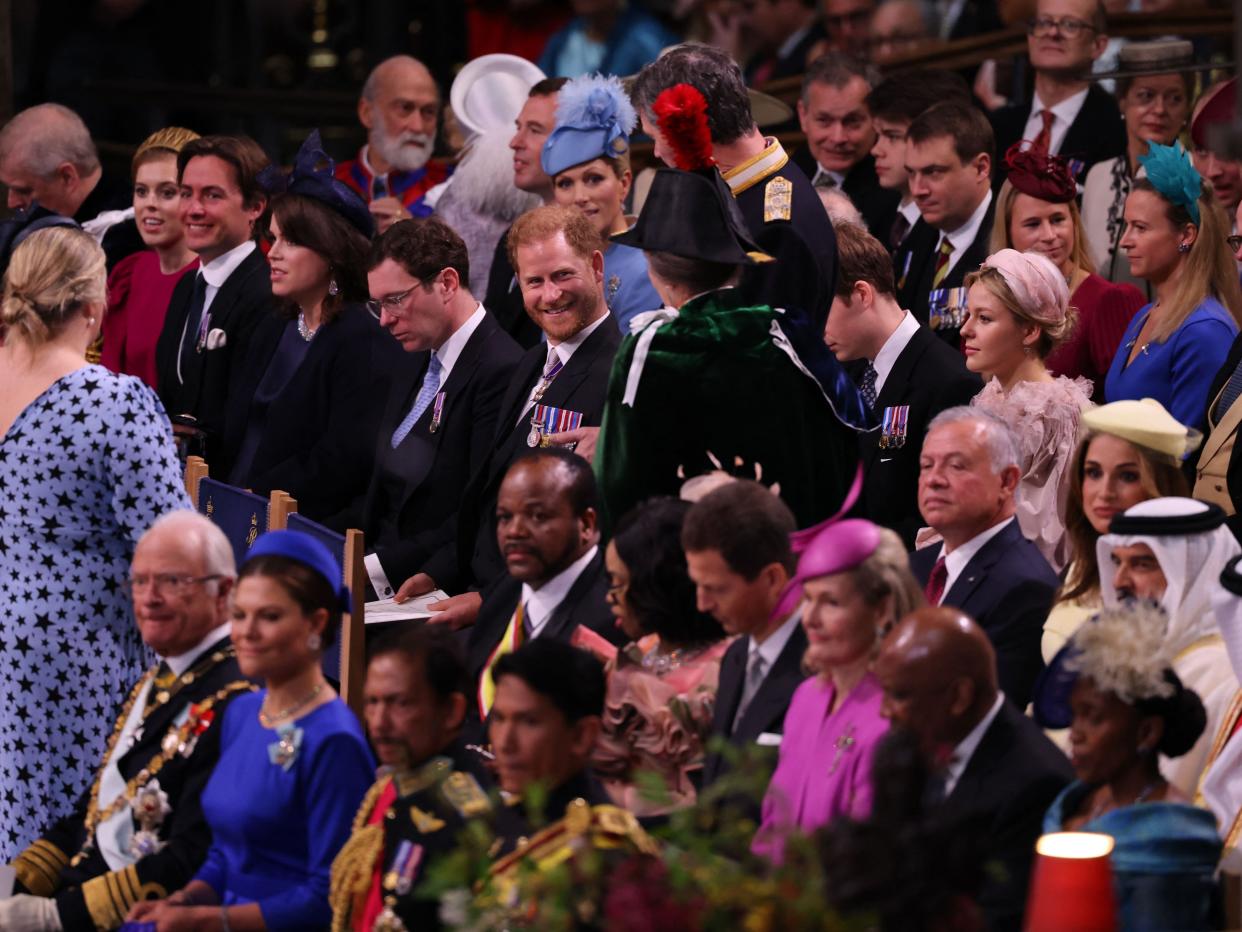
(746, 523)
(1183, 714)
(546, 87)
(714, 74)
(660, 592)
(902, 97)
(583, 490)
(435, 651)
(304, 585)
(569, 678)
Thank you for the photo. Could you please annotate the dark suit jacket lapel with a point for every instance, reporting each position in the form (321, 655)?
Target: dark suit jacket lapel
(729, 685)
(976, 571)
(895, 389)
(561, 624)
(774, 692)
(524, 377)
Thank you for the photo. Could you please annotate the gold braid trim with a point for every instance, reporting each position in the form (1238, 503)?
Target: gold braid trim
(355, 863)
(39, 866)
(110, 897)
(168, 750)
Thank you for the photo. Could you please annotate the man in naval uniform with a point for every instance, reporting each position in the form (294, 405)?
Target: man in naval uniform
(416, 694)
(140, 833)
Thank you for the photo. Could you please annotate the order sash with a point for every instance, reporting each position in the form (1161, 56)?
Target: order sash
(512, 640)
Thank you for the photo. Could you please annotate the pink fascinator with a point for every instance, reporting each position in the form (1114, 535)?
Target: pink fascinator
(1036, 282)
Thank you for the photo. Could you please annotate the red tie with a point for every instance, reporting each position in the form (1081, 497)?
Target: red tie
(1044, 139)
(934, 589)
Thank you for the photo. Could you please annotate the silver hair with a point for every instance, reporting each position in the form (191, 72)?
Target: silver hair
(44, 137)
(1002, 444)
(841, 209)
(371, 85)
(208, 539)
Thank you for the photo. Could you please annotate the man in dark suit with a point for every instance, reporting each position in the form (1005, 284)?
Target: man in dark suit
(776, 199)
(903, 372)
(992, 767)
(554, 387)
(1218, 462)
(214, 312)
(1067, 115)
(737, 548)
(840, 135)
(967, 478)
(949, 153)
(534, 123)
(86, 874)
(555, 584)
(784, 32)
(440, 419)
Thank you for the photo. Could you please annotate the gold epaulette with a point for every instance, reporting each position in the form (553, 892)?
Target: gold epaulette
(607, 827)
(355, 862)
(39, 866)
(110, 897)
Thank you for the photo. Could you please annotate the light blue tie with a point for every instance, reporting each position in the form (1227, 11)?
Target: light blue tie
(431, 385)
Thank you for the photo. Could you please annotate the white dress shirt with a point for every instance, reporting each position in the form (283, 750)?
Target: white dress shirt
(961, 238)
(217, 271)
(113, 835)
(564, 351)
(955, 561)
(542, 602)
(966, 748)
(897, 341)
(1064, 114)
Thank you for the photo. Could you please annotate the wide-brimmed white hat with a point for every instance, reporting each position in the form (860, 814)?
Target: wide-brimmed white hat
(488, 93)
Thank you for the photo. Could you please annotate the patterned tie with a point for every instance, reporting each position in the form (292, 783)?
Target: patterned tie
(897, 233)
(866, 385)
(1229, 394)
(942, 261)
(1044, 139)
(824, 180)
(754, 678)
(431, 385)
(193, 320)
(934, 590)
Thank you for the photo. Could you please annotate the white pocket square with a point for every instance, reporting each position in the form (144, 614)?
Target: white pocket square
(216, 338)
(769, 739)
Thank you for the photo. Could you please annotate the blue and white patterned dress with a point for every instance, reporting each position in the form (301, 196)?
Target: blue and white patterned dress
(84, 471)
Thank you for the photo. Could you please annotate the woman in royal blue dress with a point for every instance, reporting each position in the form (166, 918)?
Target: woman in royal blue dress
(294, 764)
(587, 156)
(1175, 240)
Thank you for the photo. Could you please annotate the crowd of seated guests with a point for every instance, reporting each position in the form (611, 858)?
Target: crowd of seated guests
(717, 474)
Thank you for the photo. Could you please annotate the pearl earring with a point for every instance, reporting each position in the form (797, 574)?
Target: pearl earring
(314, 642)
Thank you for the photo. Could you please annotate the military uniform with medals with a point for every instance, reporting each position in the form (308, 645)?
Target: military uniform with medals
(166, 744)
(406, 820)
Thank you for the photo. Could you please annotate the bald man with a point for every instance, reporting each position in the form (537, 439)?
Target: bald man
(399, 108)
(992, 766)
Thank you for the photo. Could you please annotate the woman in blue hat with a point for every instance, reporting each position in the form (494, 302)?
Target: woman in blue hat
(587, 156)
(294, 763)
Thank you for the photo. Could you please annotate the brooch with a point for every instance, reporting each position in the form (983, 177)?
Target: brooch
(284, 751)
(150, 808)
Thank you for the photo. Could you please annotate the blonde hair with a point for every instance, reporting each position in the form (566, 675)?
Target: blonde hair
(1080, 252)
(1051, 335)
(167, 141)
(887, 573)
(53, 275)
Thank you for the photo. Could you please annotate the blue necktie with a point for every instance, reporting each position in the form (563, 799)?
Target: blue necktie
(1229, 394)
(431, 385)
(867, 385)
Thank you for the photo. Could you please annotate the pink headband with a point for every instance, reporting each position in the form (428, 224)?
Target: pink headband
(1038, 285)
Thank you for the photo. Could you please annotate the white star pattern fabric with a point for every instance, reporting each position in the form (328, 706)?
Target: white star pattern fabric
(84, 471)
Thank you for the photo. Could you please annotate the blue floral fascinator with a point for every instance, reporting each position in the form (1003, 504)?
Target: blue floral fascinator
(1170, 171)
(313, 176)
(594, 119)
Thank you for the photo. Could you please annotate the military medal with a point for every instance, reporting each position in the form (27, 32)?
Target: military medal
(893, 428)
(436, 412)
(936, 302)
(545, 381)
(905, 269)
(546, 419)
(778, 200)
(955, 304)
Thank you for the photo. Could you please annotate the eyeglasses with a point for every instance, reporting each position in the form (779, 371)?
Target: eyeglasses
(616, 592)
(1068, 26)
(1235, 243)
(173, 584)
(391, 303)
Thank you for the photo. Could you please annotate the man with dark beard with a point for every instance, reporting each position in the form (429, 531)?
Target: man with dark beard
(399, 106)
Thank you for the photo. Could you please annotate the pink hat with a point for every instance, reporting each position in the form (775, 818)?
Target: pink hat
(1036, 282)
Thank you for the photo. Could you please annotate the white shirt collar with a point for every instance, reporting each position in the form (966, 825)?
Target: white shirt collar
(183, 662)
(910, 210)
(1064, 113)
(217, 271)
(956, 561)
(963, 236)
(772, 646)
(966, 748)
(542, 602)
(448, 352)
(897, 341)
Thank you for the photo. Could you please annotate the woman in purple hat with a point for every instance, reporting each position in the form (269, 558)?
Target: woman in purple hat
(854, 580)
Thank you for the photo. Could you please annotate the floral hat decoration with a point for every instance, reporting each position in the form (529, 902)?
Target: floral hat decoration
(594, 119)
(1171, 172)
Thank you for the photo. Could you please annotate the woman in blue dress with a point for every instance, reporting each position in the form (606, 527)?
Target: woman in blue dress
(587, 158)
(294, 764)
(1175, 240)
(87, 463)
(1113, 684)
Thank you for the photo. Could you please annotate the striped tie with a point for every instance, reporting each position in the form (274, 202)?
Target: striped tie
(942, 262)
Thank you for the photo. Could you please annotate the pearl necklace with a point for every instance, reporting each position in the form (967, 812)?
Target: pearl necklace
(305, 332)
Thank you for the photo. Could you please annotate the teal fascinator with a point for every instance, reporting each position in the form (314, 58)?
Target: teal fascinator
(1170, 171)
(594, 119)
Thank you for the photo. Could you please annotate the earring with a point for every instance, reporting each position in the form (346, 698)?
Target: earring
(332, 287)
(90, 321)
(1183, 247)
(314, 642)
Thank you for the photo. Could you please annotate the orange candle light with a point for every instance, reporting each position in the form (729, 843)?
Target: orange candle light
(1072, 884)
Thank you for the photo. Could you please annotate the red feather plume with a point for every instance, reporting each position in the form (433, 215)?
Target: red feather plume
(681, 114)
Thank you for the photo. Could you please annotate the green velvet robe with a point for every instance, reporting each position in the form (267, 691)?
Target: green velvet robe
(715, 380)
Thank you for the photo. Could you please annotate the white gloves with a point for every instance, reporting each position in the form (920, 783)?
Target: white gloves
(25, 913)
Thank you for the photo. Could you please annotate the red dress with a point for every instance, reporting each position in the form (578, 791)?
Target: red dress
(138, 296)
(1104, 311)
